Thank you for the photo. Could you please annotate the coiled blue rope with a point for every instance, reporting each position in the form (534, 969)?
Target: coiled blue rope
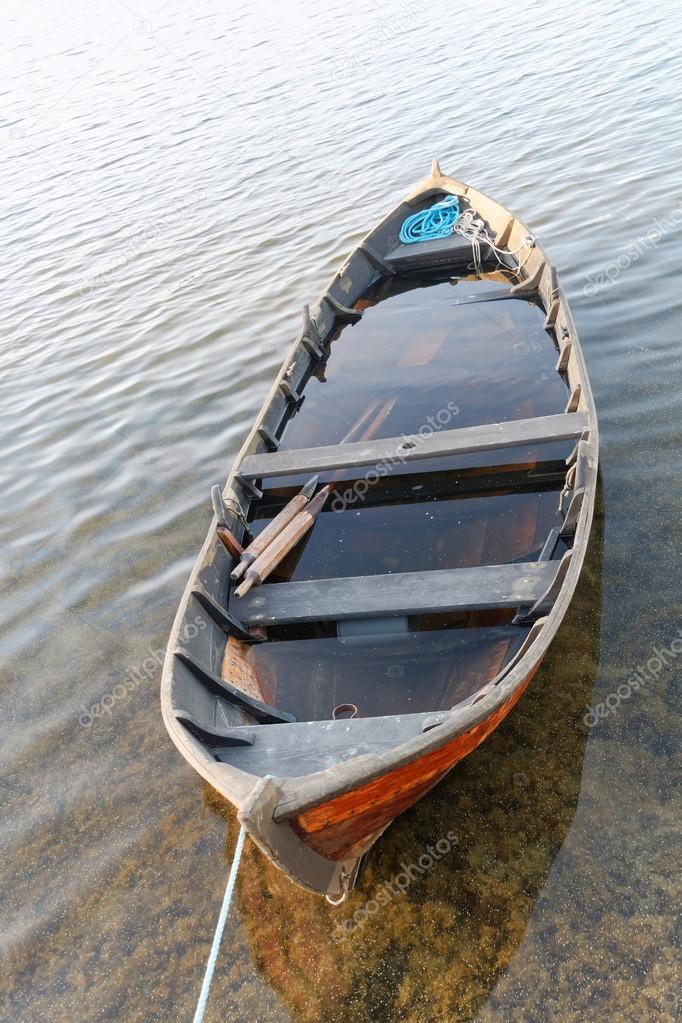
(435, 222)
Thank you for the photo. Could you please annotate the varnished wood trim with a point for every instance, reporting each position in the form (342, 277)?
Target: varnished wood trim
(336, 827)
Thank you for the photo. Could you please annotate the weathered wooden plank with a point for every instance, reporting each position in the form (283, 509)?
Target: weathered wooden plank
(574, 400)
(530, 284)
(219, 687)
(221, 615)
(216, 736)
(454, 252)
(400, 450)
(488, 586)
(307, 746)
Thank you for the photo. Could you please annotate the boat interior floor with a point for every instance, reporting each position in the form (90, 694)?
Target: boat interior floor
(389, 603)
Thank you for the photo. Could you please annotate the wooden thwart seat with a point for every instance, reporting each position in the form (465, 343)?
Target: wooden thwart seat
(440, 591)
(399, 450)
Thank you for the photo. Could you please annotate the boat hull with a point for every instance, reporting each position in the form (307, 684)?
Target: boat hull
(314, 817)
(347, 825)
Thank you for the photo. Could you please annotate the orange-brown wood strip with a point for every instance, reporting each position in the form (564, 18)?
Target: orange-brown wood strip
(378, 420)
(238, 671)
(423, 348)
(230, 541)
(336, 827)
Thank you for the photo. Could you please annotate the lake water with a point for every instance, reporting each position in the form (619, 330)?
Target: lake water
(176, 184)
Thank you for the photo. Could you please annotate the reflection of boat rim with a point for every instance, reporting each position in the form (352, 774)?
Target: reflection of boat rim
(486, 565)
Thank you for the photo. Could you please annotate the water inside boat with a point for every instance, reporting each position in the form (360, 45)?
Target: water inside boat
(426, 356)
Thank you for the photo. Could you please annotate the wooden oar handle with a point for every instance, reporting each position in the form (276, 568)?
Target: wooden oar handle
(276, 552)
(282, 544)
(274, 528)
(270, 533)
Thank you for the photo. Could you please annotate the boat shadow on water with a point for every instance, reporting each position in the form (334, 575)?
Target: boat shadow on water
(444, 898)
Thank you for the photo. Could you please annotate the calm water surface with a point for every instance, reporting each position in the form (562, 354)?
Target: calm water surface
(176, 183)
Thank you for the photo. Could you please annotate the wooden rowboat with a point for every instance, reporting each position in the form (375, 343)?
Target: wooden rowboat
(440, 388)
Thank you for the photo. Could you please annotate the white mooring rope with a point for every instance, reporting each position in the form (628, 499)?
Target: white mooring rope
(472, 227)
(218, 936)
